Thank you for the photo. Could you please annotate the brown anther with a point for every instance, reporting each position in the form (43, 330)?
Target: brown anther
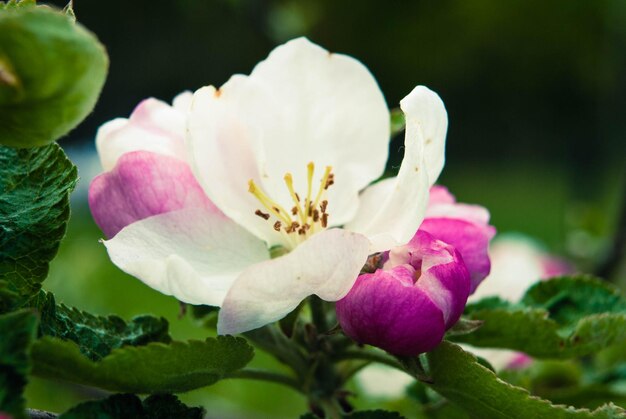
(310, 211)
(277, 225)
(297, 196)
(306, 227)
(324, 220)
(323, 205)
(330, 181)
(276, 209)
(316, 216)
(293, 227)
(294, 210)
(262, 214)
(302, 231)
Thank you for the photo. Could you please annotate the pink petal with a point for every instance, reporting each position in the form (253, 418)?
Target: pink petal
(143, 184)
(384, 309)
(470, 239)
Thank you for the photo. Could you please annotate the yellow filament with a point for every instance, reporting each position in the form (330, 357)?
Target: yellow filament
(322, 186)
(289, 181)
(268, 203)
(309, 181)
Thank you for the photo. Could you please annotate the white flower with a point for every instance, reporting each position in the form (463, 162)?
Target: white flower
(286, 155)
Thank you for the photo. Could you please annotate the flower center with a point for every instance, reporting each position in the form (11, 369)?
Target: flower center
(306, 217)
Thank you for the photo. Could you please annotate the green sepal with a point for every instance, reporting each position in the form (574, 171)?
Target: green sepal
(153, 368)
(51, 73)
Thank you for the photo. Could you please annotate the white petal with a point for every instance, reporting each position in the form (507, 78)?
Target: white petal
(153, 126)
(425, 111)
(192, 254)
(391, 211)
(326, 108)
(182, 101)
(222, 156)
(327, 265)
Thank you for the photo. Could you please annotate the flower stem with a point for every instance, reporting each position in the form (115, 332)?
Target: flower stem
(369, 356)
(318, 313)
(261, 375)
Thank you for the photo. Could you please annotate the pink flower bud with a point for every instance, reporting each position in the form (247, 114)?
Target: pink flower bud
(406, 307)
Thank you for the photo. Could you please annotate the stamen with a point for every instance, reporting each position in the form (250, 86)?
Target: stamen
(268, 203)
(323, 185)
(289, 181)
(262, 214)
(310, 213)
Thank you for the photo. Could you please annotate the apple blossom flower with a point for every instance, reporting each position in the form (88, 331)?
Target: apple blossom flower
(199, 196)
(421, 290)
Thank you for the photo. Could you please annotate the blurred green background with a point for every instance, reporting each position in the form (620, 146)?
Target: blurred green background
(535, 93)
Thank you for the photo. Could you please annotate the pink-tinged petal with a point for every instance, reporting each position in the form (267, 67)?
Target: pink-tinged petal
(153, 126)
(194, 254)
(472, 213)
(520, 361)
(554, 266)
(384, 309)
(440, 195)
(143, 184)
(444, 276)
(326, 265)
(470, 239)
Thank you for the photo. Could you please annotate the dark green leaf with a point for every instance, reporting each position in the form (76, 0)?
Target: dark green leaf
(51, 73)
(34, 208)
(122, 406)
(457, 376)
(154, 368)
(559, 318)
(97, 336)
(17, 331)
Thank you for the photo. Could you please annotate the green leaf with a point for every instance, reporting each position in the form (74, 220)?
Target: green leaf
(97, 336)
(51, 74)
(122, 406)
(457, 376)
(363, 414)
(397, 122)
(154, 368)
(560, 318)
(34, 208)
(17, 331)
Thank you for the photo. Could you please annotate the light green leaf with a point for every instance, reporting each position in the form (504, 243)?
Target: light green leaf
(34, 208)
(122, 406)
(457, 376)
(51, 74)
(154, 368)
(559, 318)
(17, 331)
(397, 121)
